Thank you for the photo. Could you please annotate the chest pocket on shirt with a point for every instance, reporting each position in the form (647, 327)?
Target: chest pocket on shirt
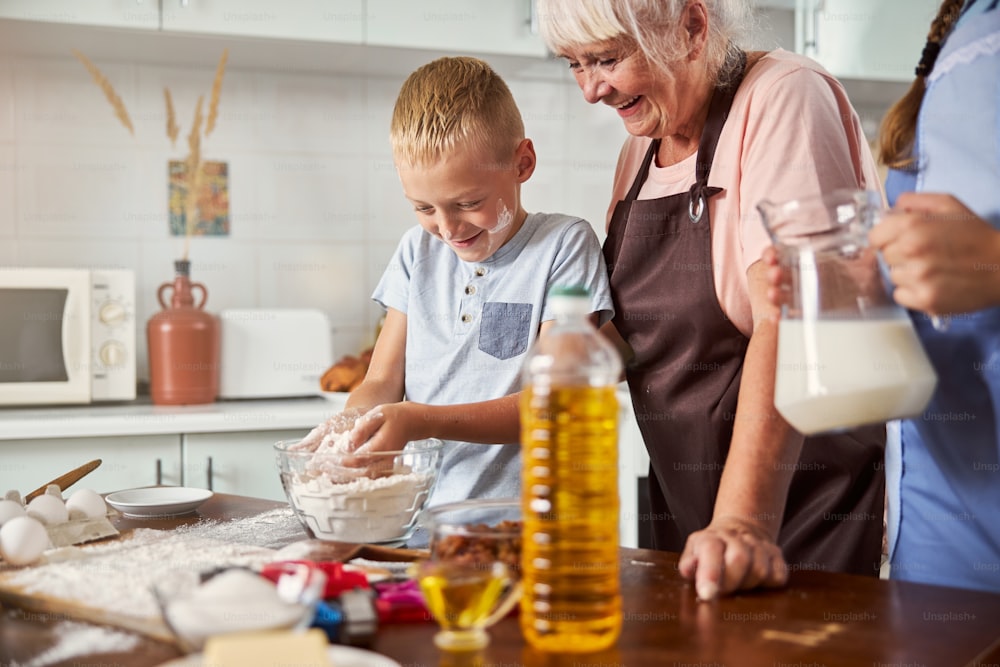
(505, 329)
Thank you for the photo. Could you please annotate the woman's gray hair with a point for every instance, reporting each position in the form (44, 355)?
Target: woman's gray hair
(653, 25)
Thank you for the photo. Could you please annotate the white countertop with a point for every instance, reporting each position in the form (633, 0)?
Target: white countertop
(141, 417)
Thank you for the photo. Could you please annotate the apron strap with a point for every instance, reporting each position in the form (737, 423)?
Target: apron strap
(718, 112)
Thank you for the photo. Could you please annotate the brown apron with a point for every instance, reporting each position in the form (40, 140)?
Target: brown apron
(685, 378)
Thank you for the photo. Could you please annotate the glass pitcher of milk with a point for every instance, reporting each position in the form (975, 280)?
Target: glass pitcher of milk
(847, 354)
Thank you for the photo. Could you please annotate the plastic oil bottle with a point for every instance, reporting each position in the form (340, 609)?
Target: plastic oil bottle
(571, 598)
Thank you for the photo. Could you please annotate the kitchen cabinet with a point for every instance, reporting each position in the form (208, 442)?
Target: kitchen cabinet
(309, 20)
(135, 14)
(470, 26)
(127, 461)
(862, 39)
(225, 446)
(241, 463)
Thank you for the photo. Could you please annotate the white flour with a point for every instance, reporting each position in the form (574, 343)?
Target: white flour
(363, 510)
(79, 639)
(117, 576)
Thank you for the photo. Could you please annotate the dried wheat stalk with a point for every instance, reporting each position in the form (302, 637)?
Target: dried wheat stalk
(109, 91)
(213, 105)
(193, 169)
(172, 129)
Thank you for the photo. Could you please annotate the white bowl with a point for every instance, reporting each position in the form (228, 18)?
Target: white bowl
(373, 499)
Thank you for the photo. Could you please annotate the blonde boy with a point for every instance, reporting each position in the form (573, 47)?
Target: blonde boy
(465, 292)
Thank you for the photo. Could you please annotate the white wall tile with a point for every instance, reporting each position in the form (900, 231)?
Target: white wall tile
(545, 191)
(8, 254)
(590, 194)
(238, 111)
(389, 212)
(81, 253)
(380, 98)
(59, 103)
(328, 276)
(598, 133)
(549, 121)
(75, 191)
(313, 114)
(319, 198)
(6, 102)
(8, 176)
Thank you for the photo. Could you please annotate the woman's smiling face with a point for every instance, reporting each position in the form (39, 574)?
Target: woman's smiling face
(467, 199)
(651, 103)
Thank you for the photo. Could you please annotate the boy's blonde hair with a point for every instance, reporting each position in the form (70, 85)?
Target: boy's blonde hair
(450, 102)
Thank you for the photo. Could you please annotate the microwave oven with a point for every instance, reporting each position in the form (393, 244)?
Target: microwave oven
(66, 335)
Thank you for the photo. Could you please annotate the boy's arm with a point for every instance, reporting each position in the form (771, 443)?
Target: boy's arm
(396, 423)
(384, 381)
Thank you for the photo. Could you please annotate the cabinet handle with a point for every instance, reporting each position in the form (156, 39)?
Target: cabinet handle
(532, 17)
(184, 3)
(209, 473)
(159, 472)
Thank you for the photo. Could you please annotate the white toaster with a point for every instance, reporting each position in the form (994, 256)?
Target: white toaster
(273, 353)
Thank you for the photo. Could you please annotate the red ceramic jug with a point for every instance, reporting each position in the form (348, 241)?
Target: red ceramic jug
(183, 343)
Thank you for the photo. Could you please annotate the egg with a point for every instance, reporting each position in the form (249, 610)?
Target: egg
(48, 509)
(9, 509)
(86, 503)
(23, 539)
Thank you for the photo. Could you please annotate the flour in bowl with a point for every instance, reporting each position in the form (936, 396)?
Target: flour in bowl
(363, 510)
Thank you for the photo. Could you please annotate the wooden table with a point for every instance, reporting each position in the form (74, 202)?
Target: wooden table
(819, 619)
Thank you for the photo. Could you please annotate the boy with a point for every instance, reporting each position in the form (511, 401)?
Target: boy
(465, 292)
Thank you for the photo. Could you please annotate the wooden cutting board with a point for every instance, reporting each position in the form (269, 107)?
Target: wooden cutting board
(61, 608)
(110, 582)
(103, 565)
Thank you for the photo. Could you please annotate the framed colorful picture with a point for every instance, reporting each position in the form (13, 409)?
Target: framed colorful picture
(213, 199)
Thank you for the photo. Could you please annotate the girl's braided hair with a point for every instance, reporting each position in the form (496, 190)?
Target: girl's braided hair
(900, 123)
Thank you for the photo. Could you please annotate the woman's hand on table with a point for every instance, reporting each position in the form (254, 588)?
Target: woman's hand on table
(730, 555)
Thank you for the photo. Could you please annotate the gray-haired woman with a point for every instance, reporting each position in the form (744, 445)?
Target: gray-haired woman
(714, 130)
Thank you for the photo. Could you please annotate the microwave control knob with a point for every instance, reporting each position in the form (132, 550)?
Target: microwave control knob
(112, 313)
(112, 353)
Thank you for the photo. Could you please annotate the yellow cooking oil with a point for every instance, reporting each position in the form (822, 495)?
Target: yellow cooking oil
(569, 449)
(461, 597)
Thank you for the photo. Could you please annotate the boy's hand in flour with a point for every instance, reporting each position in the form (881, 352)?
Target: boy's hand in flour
(387, 428)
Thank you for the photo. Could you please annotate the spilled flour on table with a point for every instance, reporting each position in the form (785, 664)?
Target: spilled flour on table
(117, 576)
(80, 639)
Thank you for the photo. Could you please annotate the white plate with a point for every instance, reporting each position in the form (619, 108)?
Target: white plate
(158, 500)
(341, 656)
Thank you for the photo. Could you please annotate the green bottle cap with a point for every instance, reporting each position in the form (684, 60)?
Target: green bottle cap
(569, 290)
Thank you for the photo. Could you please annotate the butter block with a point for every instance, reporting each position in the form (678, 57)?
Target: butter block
(271, 648)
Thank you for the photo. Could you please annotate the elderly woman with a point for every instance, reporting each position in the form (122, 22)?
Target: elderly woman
(714, 130)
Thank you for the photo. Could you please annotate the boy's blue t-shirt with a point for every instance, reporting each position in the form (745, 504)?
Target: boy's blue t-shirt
(471, 324)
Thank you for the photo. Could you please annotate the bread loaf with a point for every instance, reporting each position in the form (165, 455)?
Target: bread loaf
(347, 373)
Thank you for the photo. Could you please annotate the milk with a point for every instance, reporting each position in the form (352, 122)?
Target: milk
(836, 374)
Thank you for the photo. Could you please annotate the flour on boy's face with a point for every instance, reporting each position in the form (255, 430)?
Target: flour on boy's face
(467, 202)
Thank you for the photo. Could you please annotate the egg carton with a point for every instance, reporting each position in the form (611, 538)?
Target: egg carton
(78, 529)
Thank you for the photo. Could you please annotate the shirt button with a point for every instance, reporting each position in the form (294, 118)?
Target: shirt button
(466, 318)
(470, 290)
(480, 271)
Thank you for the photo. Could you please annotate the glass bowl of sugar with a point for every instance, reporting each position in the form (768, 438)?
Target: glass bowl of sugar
(372, 497)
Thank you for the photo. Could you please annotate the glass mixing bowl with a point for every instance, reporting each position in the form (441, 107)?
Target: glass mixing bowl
(373, 498)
